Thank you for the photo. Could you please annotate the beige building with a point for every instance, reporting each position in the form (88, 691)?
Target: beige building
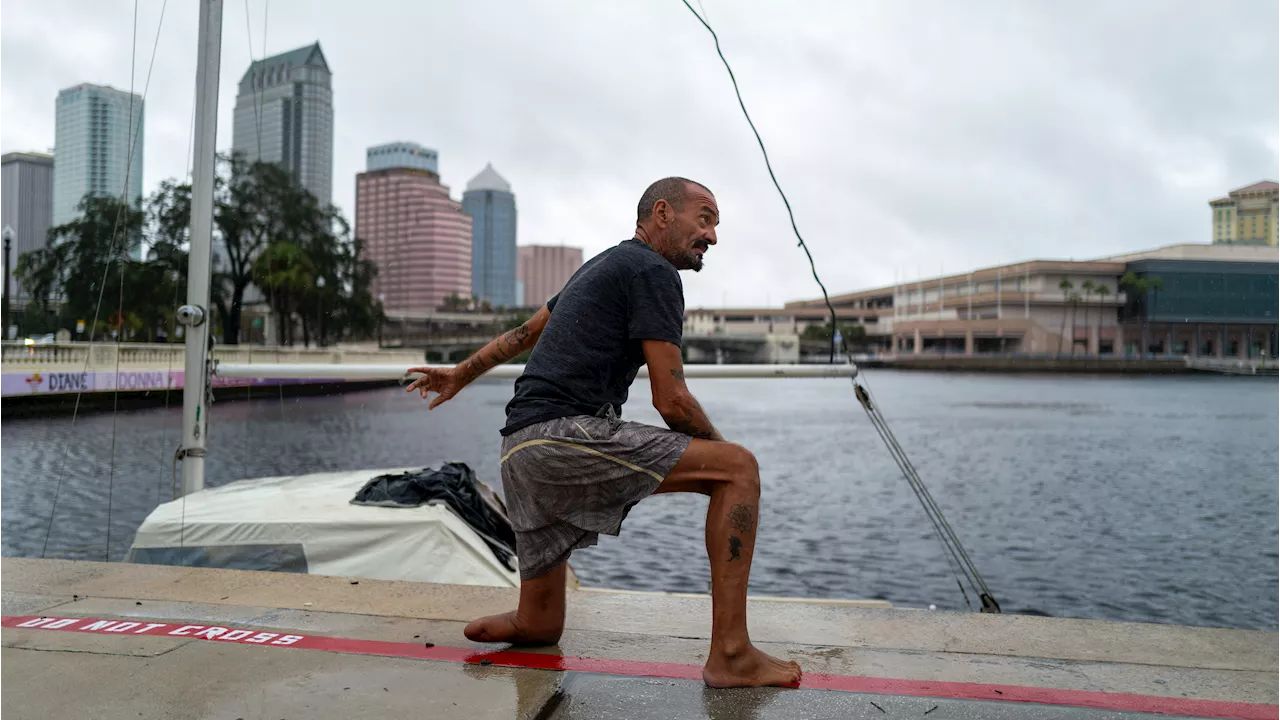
(1216, 300)
(543, 271)
(1247, 216)
(1020, 308)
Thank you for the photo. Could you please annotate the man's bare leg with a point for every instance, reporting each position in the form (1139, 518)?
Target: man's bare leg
(538, 620)
(729, 475)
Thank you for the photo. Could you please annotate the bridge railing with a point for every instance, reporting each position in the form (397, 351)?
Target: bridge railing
(17, 357)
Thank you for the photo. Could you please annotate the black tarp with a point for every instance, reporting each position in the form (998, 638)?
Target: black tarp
(456, 485)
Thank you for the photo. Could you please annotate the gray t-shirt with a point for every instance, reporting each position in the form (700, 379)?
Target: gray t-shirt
(590, 351)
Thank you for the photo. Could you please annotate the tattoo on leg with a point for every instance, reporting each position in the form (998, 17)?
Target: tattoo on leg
(743, 518)
(677, 374)
(735, 544)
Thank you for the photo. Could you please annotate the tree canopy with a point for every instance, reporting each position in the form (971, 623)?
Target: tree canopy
(269, 233)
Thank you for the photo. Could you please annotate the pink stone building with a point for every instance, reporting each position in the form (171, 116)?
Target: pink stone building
(417, 235)
(544, 269)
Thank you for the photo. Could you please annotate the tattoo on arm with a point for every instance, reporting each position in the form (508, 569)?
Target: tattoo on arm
(513, 342)
(677, 373)
(743, 518)
(509, 345)
(690, 426)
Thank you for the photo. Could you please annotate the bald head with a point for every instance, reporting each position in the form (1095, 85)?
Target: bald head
(675, 190)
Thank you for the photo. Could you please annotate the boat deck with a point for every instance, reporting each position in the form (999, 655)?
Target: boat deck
(131, 641)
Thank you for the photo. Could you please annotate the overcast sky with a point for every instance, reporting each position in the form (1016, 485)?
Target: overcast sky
(912, 136)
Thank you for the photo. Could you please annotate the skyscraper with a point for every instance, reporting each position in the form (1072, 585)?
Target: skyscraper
(98, 146)
(26, 185)
(544, 269)
(492, 207)
(418, 237)
(284, 115)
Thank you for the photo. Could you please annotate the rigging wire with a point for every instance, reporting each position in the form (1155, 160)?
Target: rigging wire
(115, 236)
(133, 145)
(769, 166)
(953, 551)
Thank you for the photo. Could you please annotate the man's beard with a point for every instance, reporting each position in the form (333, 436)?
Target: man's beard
(685, 258)
(694, 261)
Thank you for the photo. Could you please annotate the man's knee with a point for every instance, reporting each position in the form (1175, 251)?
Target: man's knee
(744, 468)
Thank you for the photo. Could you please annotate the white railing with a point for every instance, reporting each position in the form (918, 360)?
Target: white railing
(107, 356)
(387, 371)
(1233, 366)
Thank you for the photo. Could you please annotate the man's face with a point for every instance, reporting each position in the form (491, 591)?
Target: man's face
(692, 230)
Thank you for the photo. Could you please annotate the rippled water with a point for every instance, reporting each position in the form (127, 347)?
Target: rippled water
(1151, 499)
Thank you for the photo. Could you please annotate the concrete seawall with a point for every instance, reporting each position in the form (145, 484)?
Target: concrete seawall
(1002, 364)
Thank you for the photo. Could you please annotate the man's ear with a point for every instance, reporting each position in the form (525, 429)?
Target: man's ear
(662, 212)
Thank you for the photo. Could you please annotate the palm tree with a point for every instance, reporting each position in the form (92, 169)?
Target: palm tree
(285, 274)
(1102, 292)
(1155, 285)
(1087, 286)
(1066, 287)
(1140, 287)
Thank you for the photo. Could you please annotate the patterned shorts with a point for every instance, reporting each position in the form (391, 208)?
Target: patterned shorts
(570, 479)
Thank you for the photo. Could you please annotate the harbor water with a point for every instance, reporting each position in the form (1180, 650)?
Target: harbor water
(1136, 498)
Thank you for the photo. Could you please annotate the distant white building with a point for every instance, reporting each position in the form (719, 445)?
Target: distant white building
(98, 146)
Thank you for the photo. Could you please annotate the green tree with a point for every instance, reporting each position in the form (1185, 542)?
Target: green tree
(313, 271)
(1066, 286)
(285, 274)
(453, 302)
(1088, 287)
(1137, 289)
(852, 335)
(79, 274)
(253, 204)
(1102, 291)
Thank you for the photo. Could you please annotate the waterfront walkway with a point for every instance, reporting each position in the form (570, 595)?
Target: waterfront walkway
(132, 641)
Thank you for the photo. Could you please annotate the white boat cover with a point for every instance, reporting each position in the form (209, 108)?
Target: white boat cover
(306, 523)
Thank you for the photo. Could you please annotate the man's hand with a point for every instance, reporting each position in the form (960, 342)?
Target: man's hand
(444, 381)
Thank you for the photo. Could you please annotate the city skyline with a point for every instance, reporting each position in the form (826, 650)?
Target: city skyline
(986, 136)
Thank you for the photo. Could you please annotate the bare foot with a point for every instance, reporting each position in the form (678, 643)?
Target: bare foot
(749, 668)
(509, 628)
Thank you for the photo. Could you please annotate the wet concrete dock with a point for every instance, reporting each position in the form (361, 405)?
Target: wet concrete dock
(132, 641)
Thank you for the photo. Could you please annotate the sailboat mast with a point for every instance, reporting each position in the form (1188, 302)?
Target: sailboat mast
(196, 315)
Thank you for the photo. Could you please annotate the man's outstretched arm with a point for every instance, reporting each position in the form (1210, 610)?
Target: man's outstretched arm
(671, 397)
(448, 381)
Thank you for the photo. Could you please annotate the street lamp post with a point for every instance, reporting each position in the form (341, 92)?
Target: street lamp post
(382, 301)
(4, 304)
(320, 314)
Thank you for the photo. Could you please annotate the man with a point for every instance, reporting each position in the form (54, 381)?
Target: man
(571, 469)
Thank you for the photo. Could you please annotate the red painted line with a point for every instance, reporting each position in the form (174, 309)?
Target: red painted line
(636, 668)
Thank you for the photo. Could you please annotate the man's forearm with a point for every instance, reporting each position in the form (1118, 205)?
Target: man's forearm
(510, 344)
(687, 416)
